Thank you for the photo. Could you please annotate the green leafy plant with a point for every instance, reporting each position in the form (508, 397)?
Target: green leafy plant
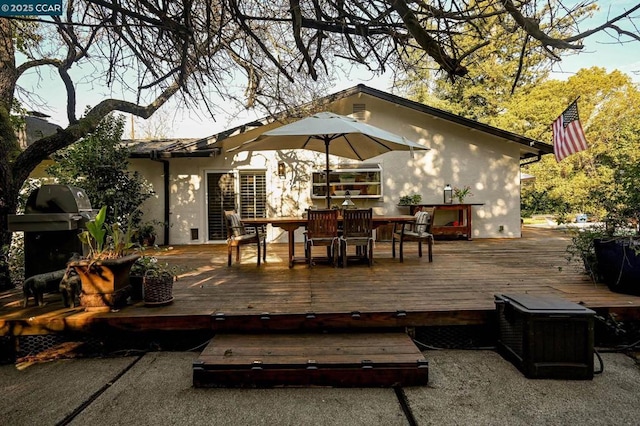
(105, 241)
(462, 193)
(95, 234)
(151, 266)
(99, 164)
(620, 200)
(409, 200)
(347, 177)
(146, 233)
(582, 248)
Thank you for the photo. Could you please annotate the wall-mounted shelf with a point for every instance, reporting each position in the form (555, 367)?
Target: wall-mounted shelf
(361, 180)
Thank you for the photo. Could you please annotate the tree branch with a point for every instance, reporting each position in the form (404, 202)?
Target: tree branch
(428, 43)
(531, 27)
(608, 24)
(37, 63)
(296, 23)
(32, 156)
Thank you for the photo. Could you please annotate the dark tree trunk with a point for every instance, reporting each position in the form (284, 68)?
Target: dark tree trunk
(9, 147)
(8, 194)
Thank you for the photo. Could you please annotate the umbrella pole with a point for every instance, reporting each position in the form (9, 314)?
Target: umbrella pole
(326, 145)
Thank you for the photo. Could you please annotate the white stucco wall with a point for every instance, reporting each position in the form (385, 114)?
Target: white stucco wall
(152, 208)
(459, 156)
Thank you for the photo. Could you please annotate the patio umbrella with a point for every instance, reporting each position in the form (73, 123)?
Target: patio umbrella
(332, 134)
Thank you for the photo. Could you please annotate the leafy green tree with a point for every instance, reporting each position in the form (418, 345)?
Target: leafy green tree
(503, 64)
(590, 181)
(99, 165)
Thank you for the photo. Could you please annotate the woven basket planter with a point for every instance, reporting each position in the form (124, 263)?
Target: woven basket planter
(158, 289)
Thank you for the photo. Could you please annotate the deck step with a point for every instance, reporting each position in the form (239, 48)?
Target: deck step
(336, 360)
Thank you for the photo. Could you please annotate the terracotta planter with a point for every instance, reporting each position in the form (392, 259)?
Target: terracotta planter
(105, 283)
(618, 264)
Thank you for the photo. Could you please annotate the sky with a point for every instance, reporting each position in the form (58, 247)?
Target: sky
(599, 50)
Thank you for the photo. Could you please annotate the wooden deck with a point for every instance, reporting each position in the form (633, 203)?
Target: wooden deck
(318, 359)
(458, 288)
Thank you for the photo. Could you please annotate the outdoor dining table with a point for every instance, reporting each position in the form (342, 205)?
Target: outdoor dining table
(290, 224)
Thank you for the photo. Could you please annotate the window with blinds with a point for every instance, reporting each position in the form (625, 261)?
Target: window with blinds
(253, 194)
(221, 196)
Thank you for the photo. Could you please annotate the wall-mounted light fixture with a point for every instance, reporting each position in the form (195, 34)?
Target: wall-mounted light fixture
(282, 170)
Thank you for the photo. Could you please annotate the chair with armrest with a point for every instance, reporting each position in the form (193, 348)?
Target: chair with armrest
(322, 230)
(238, 235)
(357, 231)
(419, 231)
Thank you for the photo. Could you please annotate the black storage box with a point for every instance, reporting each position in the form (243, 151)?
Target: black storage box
(546, 337)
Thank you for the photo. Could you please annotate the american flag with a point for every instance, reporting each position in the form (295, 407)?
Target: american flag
(568, 136)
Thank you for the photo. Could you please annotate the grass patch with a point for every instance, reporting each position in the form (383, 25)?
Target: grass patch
(534, 221)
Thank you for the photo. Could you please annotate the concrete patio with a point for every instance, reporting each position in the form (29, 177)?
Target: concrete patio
(466, 388)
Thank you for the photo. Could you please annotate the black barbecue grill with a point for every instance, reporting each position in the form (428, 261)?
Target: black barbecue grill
(54, 216)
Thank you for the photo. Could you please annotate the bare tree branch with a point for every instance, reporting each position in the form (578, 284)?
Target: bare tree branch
(609, 24)
(532, 28)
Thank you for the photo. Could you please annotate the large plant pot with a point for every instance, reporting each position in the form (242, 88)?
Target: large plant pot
(618, 264)
(105, 283)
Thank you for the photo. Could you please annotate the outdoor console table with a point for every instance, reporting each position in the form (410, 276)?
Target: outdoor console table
(290, 224)
(460, 227)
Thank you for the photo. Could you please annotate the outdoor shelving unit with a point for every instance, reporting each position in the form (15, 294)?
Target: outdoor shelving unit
(361, 180)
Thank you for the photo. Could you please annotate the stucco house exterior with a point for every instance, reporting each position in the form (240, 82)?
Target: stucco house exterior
(195, 180)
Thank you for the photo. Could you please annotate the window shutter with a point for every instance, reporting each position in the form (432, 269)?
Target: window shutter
(253, 195)
(221, 197)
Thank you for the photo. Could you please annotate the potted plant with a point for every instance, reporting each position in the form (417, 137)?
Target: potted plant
(582, 248)
(146, 234)
(462, 193)
(104, 270)
(347, 177)
(611, 252)
(618, 263)
(410, 200)
(157, 280)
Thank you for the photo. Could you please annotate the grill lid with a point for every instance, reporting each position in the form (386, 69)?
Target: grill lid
(58, 199)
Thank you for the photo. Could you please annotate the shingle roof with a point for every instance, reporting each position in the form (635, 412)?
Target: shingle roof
(167, 148)
(211, 146)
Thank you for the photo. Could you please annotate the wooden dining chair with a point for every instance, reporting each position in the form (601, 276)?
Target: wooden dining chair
(238, 235)
(419, 231)
(357, 231)
(322, 230)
